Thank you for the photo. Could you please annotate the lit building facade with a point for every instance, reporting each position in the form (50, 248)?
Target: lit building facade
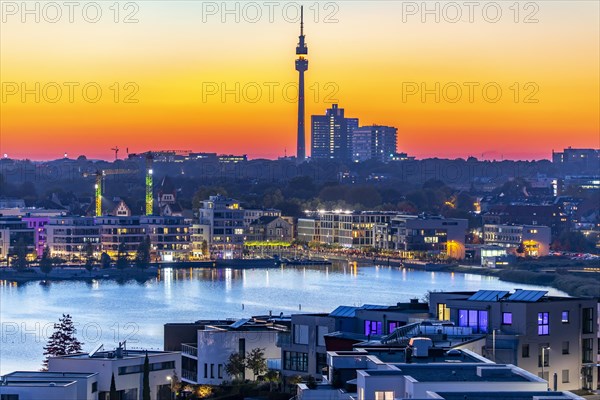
(374, 143)
(226, 230)
(331, 135)
(542, 334)
(421, 236)
(525, 240)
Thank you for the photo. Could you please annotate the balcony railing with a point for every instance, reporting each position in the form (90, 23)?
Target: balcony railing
(189, 350)
(191, 376)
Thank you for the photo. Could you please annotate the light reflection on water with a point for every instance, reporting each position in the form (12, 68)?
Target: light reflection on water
(108, 311)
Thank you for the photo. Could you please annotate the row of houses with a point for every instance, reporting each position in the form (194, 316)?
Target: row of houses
(418, 236)
(554, 338)
(489, 344)
(224, 227)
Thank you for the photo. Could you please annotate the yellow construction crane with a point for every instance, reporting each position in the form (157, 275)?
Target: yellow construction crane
(100, 174)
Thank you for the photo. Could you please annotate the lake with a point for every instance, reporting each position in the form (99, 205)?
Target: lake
(106, 312)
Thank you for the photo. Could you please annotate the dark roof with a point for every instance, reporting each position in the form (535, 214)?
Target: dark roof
(264, 220)
(167, 186)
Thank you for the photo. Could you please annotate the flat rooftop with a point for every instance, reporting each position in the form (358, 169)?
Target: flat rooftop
(112, 355)
(507, 395)
(458, 373)
(46, 374)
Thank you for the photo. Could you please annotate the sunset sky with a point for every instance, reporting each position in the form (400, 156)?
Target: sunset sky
(367, 60)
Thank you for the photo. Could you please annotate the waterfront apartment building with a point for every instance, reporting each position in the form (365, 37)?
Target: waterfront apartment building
(422, 236)
(351, 229)
(524, 240)
(374, 143)
(15, 232)
(331, 135)
(555, 338)
(224, 219)
(127, 367)
(71, 237)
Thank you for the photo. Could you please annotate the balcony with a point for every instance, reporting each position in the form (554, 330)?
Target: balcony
(188, 375)
(189, 350)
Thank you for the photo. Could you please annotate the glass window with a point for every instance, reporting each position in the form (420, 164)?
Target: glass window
(475, 319)
(544, 355)
(443, 312)
(295, 361)
(321, 363)
(588, 320)
(384, 395)
(565, 347)
(301, 334)
(525, 351)
(543, 324)
(565, 376)
(507, 318)
(565, 318)
(373, 328)
(587, 350)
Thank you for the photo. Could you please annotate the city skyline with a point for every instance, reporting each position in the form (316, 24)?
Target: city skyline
(173, 83)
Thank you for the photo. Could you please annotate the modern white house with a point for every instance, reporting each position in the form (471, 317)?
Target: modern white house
(204, 361)
(35, 385)
(127, 367)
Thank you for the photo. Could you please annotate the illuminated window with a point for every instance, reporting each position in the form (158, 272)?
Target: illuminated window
(507, 318)
(443, 312)
(543, 324)
(384, 395)
(565, 317)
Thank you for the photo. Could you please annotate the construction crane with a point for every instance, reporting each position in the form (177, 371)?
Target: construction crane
(116, 150)
(149, 184)
(98, 187)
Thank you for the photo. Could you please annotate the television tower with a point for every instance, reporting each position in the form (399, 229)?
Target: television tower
(301, 67)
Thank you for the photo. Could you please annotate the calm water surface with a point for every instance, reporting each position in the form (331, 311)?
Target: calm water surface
(107, 312)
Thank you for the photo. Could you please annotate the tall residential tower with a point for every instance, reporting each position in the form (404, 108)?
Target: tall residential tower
(301, 67)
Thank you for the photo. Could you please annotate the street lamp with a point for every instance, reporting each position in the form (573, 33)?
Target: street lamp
(544, 348)
(170, 379)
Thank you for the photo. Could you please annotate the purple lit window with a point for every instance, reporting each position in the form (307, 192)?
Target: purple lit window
(543, 324)
(507, 318)
(565, 317)
(463, 318)
(483, 322)
(475, 319)
(373, 328)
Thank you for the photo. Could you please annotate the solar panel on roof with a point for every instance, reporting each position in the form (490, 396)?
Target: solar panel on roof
(527, 295)
(488, 295)
(239, 323)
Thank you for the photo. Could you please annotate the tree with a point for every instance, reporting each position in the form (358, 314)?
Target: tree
(63, 340)
(255, 361)
(142, 258)
(105, 260)
(236, 365)
(20, 252)
(146, 379)
(272, 376)
(122, 261)
(176, 383)
(113, 388)
(46, 262)
(205, 248)
(89, 252)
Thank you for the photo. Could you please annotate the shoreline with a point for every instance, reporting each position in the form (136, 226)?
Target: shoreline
(569, 281)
